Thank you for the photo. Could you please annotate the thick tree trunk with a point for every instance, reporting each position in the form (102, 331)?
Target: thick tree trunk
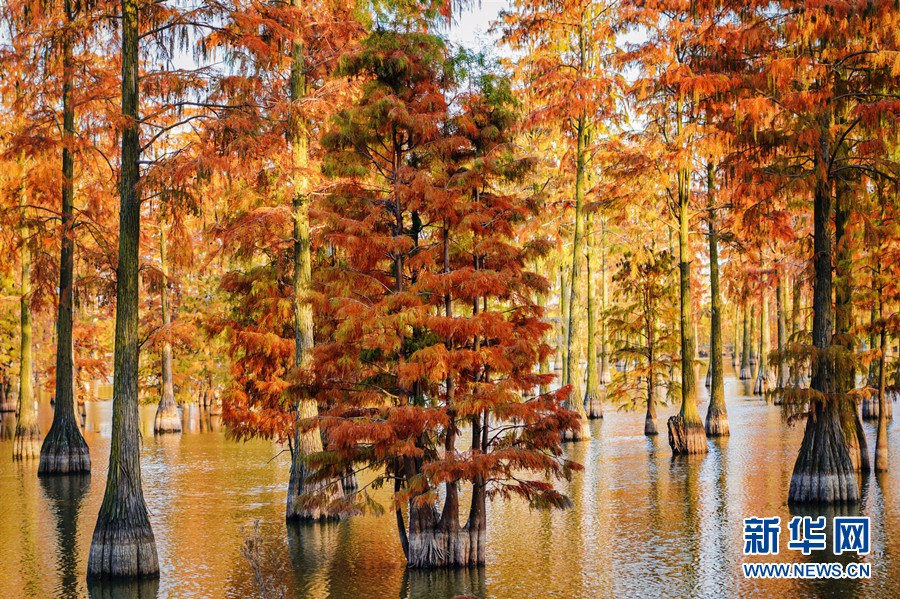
(763, 373)
(686, 432)
(167, 418)
(574, 401)
(27, 441)
(123, 545)
(823, 472)
(64, 450)
(593, 399)
(845, 372)
(716, 413)
(746, 369)
(301, 497)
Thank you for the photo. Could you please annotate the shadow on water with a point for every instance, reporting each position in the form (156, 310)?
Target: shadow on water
(455, 582)
(312, 548)
(139, 589)
(65, 495)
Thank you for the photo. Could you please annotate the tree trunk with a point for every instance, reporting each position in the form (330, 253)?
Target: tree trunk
(64, 450)
(650, 428)
(736, 341)
(563, 326)
(746, 369)
(593, 400)
(301, 500)
(780, 369)
(27, 441)
(845, 372)
(763, 372)
(754, 356)
(574, 401)
(823, 472)
(604, 305)
(686, 432)
(881, 447)
(167, 418)
(123, 545)
(716, 413)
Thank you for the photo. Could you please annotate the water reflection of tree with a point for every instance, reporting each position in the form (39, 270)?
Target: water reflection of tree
(64, 495)
(312, 547)
(140, 589)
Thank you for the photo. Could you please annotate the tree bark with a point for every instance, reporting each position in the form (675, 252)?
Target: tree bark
(593, 399)
(574, 401)
(763, 372)
(300, 505)
(686, 432)
(780, 369)
(604, 377)
(167, 418)
(845, 372)
(881, 447)
(823, 472)
(746, 368)
(64, 450)
(123, 545)
(716, 413)
(27, 441)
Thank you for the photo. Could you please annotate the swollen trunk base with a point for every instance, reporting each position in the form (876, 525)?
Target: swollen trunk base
(27, 443)
(593, 404)
(64, 452)
(686, 437)
(717, 423)
(122, 550)
(167, 418)
(650, 427)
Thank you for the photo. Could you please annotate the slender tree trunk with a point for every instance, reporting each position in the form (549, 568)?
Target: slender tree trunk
(64, 450)
(544, 367)
(823, 472)
(574, 402)
(763, 372)
(167, 418)
(593, 400)
(881, 447)
(746, 368)
(781, 370)
(686, 432)
(27, 441)
(562, 352)
(302, 503)
(797, 368)
(604, 305)
(716, 413)
(754, 356)
(650, 427)
(123, 545)
(736, 341)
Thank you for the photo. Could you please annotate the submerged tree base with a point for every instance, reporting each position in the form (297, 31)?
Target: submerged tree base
(593, 404)
(650, 428)
(823, 472)
(447, 549)
(167, 420)
(686, 437)
(580, 434)
(763, 384)
(27, 442)
(746, 373)
(870, 408)
(123, 549)
(717, 423)
(64, 451)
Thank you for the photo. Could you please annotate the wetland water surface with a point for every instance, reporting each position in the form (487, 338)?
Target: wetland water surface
(644, 524)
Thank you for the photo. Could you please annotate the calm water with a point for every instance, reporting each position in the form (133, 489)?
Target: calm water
(644, 524)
